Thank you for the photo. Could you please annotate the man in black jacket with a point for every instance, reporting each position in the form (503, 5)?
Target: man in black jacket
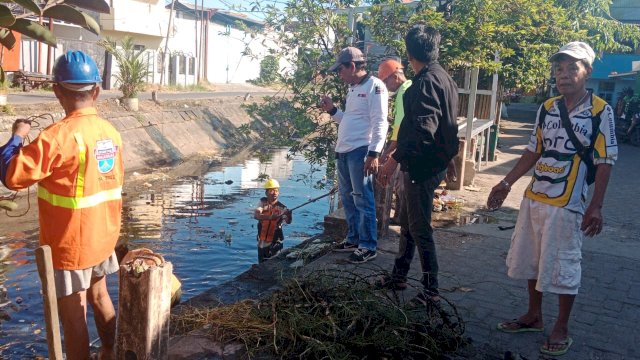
(427, 142)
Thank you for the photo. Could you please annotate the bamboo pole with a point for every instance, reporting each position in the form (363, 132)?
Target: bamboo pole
(45, 270)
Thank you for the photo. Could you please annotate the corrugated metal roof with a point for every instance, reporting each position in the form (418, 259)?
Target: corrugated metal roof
(626, 10)
(620, 63)
(222, 16)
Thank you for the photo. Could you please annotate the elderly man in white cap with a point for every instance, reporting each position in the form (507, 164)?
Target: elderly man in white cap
(361, 133)
(572, 144)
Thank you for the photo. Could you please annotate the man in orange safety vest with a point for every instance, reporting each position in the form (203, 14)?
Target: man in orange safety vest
(270, 214)
(77, 164)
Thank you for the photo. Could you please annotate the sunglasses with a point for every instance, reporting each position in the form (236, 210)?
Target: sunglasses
(341, 67)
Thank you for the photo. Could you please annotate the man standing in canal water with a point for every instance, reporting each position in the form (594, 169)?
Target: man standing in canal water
(574, 135)
(361, 134)
(427, 142)
(271, 213)
(77, 164)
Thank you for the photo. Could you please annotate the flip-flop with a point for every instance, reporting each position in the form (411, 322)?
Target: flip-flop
(520, 327)
(564, 347)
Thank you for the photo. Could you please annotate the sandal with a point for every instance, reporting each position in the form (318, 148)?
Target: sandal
(561, 347)
(516, 326)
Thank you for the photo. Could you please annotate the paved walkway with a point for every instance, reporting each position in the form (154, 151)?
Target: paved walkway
(607, 309)
(473, 272)
(217, 90)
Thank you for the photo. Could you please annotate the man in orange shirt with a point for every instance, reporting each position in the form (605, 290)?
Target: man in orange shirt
(77, 164)
(271, 214)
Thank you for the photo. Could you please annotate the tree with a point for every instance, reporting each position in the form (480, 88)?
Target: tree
(604, 33)
(269, 67)
(308, 33)
(523, 33)
(17, 15)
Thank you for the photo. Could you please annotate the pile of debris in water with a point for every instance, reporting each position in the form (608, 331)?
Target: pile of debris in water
(331, 314)
(443, 201)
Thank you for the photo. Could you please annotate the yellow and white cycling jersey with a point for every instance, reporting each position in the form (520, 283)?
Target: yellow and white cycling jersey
(559, 176)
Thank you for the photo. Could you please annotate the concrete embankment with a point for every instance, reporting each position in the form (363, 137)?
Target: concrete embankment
(159, 134)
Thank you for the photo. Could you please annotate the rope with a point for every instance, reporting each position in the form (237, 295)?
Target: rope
(33, 121)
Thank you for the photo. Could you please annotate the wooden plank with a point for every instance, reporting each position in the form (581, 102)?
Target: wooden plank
(45, 270)
(463, 99)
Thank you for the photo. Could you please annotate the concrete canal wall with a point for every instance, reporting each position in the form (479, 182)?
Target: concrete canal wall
(160, 134)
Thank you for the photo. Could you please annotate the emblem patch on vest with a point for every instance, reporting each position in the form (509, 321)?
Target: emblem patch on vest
(105, 153)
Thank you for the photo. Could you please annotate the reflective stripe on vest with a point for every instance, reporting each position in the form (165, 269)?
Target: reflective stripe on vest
(80, 201)
(82, 164)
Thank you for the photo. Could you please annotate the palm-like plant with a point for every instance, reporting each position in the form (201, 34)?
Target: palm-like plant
(133, 69)
(15, 16)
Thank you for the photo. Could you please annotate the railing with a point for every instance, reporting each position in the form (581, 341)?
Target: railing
(482, 121)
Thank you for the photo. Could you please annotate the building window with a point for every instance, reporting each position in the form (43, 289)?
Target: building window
(192, 66)
(606, 90)
(183, 65)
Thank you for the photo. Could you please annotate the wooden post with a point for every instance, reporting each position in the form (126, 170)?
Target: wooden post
(383, 196)
(384, 200)
(459, 162)
(143, 311)
(471, 105)
(45, 270)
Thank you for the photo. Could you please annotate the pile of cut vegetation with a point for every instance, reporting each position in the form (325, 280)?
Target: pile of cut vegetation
(331, 315)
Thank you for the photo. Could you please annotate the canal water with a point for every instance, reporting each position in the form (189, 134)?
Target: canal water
(203, 225)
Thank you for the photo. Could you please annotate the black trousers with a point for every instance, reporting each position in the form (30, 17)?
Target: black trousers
(416, 230)
(267, 252)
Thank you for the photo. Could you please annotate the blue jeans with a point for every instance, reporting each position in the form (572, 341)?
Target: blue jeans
(416, 231)
(356, 192)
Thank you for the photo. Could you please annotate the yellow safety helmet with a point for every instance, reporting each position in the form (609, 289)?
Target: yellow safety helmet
(271, 184)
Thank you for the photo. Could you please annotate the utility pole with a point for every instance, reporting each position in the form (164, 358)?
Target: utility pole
(195, 53)
(205, 48)
(227, 33)
(40, 50)
(50, 49)
(166, 43)
(202, 40)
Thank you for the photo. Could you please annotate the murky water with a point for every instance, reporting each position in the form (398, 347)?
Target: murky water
(457, 217)
(203, 225)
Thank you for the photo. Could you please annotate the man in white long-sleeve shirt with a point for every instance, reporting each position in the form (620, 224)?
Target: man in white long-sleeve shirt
(361, 133)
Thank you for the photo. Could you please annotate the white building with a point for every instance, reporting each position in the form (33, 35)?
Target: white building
(202, 43)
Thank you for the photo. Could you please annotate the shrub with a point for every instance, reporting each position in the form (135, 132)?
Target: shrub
(133, 69)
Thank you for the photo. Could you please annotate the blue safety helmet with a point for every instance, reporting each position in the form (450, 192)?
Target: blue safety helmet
(76, 67)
